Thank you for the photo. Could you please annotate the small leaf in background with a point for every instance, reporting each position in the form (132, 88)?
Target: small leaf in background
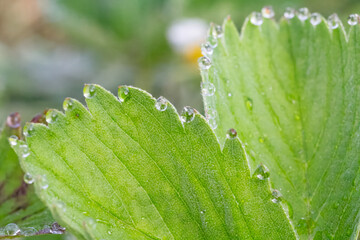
(21, 212)
(291, 89)
(132, 168)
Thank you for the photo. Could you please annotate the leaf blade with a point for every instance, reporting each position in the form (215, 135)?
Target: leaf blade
(149, 176)
(293, 101)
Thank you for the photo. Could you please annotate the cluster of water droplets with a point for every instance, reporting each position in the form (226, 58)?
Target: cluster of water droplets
(208, 89)
(211, 115)
(303, 14)
(23, 148)
(12, 229)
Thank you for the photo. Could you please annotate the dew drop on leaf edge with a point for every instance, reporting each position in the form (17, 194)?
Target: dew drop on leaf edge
(218, 31)
(89, 91)
(289, 13)
(267, 12)
(256, 18)
(353, 19)
(68, 104)
(277, 196)
(303, 14)
(315, 19)
(43, 182)
(123, 93)
(51, 116)
(13, 140)
(262, 172)
(24, 150)
(28, 178)
(204, 63)
(11, 229)
(187, 114)
(231, 133)
(207, 49)
(161, 104)
(333, 21)
(212, 41)
(28, 129)
(212, 123)
(207, 88)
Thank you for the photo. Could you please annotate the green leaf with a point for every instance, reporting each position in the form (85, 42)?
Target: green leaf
(291, 90)
(126, 170)
(18, 201)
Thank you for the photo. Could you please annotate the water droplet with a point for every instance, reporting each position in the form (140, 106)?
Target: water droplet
(277, 196)
(11, 229)
(123, 93)
(231, 133)
(57, 229)
(256, 18)
(28, 231)
(187, 115)
(333, 21)
(249, 104)
(161, 104)
(315, 19)
(28, 129)
(353, 19)
(68, 104)
(267, 12)
(303, 14)
(210, 113)
(13, 120)
(51, 116)
(218, 31)
(204, 63)
(262, 172)
(207, 88)
(206, 49)
(212, 123)
(89, 91)
(42, 181)
(24, 150)
(289, 13)
(28, 178)
(13, 140)
(212, 41)
(109, 232)
(229, 94)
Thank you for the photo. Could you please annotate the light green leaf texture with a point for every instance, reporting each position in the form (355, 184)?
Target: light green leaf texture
(18, 203)
(291, 90)
(126, 170)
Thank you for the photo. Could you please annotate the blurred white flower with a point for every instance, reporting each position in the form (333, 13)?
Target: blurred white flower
(187, 34)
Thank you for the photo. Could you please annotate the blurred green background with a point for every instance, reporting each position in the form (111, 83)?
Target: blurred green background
(50, 48)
